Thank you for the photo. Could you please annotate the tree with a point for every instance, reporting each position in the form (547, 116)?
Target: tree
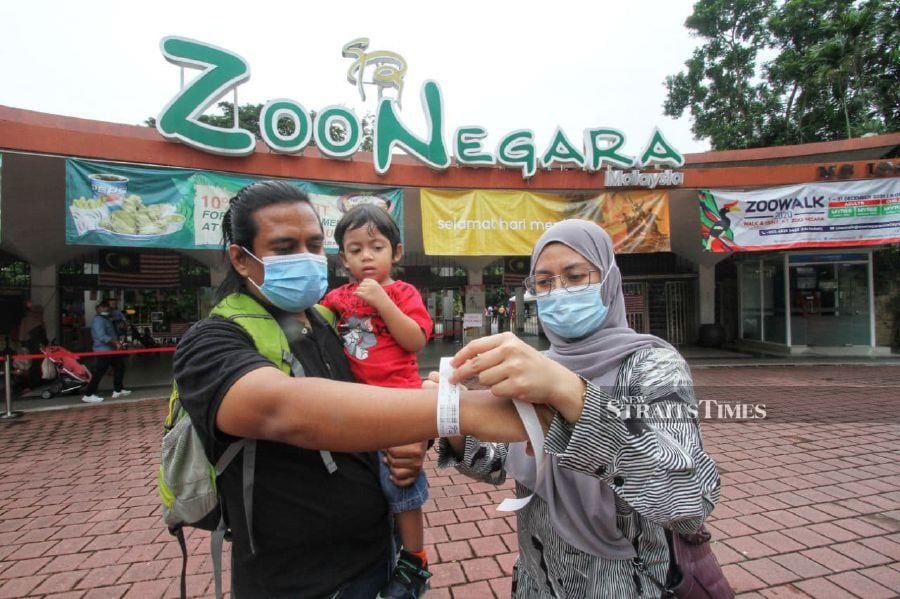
(721, 86)
(833, 73)
(248, 118)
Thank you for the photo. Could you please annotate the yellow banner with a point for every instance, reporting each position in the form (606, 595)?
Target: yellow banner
(508, 223)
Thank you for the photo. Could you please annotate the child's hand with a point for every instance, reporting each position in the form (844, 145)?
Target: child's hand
(373, 293)
(405, 462)
(432, 381)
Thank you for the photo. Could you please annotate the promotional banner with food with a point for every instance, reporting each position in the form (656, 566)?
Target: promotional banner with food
(508, 223)
(130, 206)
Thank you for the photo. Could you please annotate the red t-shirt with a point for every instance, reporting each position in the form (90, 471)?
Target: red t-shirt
(375, 357)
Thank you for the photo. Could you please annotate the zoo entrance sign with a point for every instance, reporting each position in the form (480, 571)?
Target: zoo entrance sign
(223, 71)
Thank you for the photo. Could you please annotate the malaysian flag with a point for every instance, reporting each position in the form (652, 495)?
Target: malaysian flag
(515, 269)
(150, 270)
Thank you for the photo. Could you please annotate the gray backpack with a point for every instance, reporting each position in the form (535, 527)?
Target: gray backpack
(188, 490)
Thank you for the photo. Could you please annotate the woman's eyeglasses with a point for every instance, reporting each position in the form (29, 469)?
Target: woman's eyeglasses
(572, 281)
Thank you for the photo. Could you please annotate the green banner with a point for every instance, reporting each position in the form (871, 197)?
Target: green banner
(135, 206)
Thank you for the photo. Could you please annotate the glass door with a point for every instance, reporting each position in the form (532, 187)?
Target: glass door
(830, 304)
(751, 316)
(773, 314)
(851, 311)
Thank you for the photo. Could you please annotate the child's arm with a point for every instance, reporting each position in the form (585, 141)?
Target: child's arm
(405, 331)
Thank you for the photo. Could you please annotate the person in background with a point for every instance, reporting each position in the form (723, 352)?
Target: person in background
(117, 317)
(501, 317)
(614, 484)
(147, 340)
(384, 323)
(105, 337)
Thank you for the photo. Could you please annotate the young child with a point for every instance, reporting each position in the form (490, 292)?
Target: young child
(384, 323)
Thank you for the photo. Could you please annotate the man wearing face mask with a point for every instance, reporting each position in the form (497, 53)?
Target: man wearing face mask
(105, 338)
(266, 366)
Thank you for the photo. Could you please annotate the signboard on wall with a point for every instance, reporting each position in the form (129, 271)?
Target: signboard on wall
(508, 223)
(835, 214)
(135, 206)
(224, 71)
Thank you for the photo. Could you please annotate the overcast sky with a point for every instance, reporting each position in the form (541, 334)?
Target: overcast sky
(502, 65)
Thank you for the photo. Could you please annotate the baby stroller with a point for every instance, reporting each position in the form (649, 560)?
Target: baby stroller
(71, 375)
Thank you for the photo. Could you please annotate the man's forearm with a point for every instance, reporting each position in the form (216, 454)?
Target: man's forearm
(323, 414)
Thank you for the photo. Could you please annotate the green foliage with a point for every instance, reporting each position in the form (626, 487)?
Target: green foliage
(248, 118)
(832, 74)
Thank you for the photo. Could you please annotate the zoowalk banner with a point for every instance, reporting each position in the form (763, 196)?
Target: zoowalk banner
(135, 206)
(508, 223)
(797, 216)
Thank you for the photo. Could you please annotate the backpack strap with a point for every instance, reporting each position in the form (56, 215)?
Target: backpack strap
(179, 534)
(247, 475)
(297, 371)
(217, 536)
(328, 316)
(216, 539)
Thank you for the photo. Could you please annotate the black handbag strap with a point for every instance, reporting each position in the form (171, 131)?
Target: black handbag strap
(640, 566)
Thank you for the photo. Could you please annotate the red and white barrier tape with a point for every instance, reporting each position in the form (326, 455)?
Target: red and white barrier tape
(143, 350)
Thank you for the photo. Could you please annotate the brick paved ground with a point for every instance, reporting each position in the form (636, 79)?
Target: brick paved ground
(810, 504)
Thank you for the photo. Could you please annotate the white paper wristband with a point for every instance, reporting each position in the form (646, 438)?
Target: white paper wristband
(447, 401)
(536, 435)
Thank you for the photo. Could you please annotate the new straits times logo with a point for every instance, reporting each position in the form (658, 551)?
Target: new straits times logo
(636, 407)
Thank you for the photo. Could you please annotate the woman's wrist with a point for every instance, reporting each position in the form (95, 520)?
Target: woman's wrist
(569, 401)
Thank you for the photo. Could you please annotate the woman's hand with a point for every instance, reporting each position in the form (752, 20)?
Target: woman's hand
(484, 416)
(512, 368)
(405, 462)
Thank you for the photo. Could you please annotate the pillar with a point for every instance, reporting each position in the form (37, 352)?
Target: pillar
(520, 311)
(474, 302)
(707, 281)
(474, 266)
(44, 293)
(217, 272)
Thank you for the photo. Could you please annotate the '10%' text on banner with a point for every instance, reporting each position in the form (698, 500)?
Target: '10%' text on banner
(508, 223)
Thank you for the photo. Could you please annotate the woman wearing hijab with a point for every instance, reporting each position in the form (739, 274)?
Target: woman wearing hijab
(623, 458)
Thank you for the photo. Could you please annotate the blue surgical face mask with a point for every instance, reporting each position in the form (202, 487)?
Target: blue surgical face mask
(573, 315)
(294, 282)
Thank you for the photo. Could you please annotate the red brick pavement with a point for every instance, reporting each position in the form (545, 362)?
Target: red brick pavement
(810, 502)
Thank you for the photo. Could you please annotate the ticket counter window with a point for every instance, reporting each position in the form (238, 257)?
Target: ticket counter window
(830, 304)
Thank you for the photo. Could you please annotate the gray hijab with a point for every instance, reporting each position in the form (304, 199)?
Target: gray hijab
(582, 507)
